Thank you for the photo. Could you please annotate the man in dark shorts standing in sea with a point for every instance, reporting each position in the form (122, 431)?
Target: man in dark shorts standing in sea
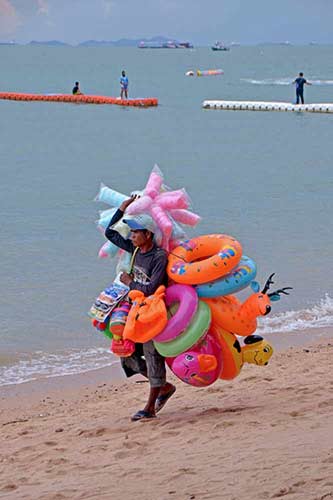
(300, 82)
(149, 272)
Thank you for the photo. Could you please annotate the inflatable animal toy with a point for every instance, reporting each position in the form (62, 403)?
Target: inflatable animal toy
(239, 318)
(255, 351)
(147, 316)
(201, 365)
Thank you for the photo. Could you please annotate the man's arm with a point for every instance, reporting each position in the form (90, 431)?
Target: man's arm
(113, 235)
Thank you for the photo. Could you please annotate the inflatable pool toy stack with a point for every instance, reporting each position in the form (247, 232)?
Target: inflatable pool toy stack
(197, 322)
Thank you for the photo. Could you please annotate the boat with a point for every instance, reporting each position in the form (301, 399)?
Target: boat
(170, 44)
(219, 46)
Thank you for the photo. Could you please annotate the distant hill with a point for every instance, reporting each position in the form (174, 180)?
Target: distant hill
(123, 42)
(56, 43)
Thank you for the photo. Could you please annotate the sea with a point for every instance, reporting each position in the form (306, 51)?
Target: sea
(265, 178)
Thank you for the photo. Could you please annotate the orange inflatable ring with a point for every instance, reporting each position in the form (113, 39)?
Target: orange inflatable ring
(203, 259)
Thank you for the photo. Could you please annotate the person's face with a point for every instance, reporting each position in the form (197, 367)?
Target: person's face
(140, 238)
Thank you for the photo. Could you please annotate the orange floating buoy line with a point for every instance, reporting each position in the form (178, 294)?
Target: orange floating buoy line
(89, 99)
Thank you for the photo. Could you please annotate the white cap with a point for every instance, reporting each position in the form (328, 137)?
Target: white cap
(140, 222)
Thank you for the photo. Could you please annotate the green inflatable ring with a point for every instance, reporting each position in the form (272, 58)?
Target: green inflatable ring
(196, 329)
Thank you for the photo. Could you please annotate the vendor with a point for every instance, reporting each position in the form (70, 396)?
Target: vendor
(149, 272)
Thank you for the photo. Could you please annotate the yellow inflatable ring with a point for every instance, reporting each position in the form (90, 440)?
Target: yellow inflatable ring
(203, 259)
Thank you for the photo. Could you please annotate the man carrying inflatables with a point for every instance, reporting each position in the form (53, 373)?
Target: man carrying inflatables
(149, 272)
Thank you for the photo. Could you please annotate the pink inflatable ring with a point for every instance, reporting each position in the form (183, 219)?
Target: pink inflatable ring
(187, 298)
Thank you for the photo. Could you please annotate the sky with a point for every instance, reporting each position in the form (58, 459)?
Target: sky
(201, 22)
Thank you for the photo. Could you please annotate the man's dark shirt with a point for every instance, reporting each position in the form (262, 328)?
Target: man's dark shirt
(149, 268)
(300, 84)
(75, 89)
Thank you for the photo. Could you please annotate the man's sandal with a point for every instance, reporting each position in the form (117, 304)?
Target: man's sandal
(142, 415)
(163, 399)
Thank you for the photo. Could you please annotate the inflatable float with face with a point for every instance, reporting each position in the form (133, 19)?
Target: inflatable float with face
(201, 365)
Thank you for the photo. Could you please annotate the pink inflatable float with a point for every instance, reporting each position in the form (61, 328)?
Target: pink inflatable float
(201, 365)
(187, 299)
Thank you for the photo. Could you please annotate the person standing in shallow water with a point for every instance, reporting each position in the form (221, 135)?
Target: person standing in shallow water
(149, 272)
(123, 85)
(300, 81)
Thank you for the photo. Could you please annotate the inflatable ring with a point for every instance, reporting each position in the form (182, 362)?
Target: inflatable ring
(203, 259)
(188, 304)
(233, 282)
(196, 329)
(102, 327)
(118, 319)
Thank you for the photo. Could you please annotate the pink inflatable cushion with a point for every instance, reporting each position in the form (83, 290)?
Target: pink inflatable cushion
(140, 206)
(185, 216)
(201, 365)
(153, 185)
(187, 298)
(173, 199)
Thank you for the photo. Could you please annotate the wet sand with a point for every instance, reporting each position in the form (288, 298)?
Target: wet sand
(266, 434)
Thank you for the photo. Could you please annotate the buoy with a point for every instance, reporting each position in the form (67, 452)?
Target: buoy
(89, 99)
(267, 106)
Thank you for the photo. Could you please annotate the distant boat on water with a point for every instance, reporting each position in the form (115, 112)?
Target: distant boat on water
(219, 46)
(170, 44)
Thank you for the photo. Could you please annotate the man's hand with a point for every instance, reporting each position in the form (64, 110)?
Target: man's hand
(126, 278)
(126, 203)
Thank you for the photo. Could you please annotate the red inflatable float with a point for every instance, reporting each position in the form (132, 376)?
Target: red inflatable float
(90, 99)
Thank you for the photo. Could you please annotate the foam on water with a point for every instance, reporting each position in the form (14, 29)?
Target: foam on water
(284, 81)
(318, 316)
(45, 365)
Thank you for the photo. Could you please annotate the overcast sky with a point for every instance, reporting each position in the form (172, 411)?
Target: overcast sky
(199, 21)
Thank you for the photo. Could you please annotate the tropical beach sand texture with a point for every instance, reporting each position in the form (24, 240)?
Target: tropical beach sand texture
(267, 434)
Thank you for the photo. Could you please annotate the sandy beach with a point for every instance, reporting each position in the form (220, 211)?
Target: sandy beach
(267, 434)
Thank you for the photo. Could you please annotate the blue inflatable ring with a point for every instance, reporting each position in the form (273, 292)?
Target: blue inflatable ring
(236, 280)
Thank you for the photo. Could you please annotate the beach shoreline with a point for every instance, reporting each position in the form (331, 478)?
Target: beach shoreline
(113, 374)
(266, 434)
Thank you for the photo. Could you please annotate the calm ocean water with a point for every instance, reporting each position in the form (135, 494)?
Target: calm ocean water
(265, 178)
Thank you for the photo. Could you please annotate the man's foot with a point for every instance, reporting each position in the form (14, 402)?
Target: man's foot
(164, 397)
(142, 415)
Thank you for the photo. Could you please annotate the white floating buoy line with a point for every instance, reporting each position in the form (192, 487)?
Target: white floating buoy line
(268, 106)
